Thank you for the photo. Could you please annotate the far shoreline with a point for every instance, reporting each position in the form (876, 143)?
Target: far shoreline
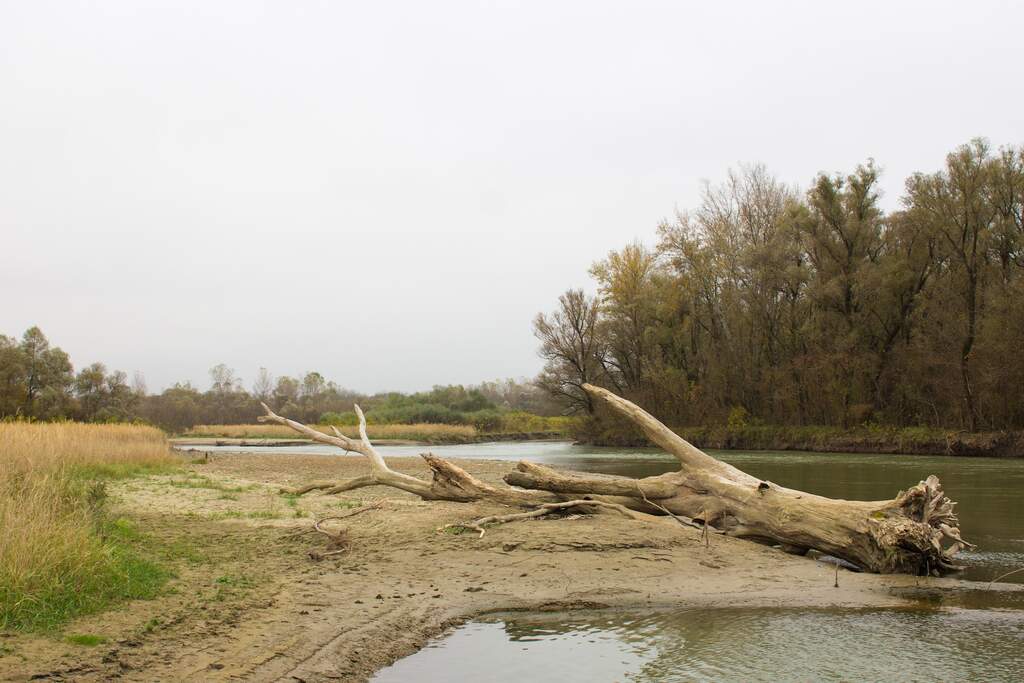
(1002, 445)
(865, 440)
(272, 442)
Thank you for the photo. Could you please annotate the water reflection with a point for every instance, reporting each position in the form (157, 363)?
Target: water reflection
(727, 645)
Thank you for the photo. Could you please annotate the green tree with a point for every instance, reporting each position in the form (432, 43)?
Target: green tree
(13, 373)
(47, 379)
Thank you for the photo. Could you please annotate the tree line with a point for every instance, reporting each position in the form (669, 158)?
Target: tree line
(765, 304)
(38, 381)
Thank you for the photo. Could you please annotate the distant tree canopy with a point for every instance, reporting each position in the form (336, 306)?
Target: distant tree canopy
(34, 378)
(37, 381)
(767, 304)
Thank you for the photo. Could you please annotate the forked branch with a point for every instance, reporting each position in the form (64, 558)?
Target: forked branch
(449, 481)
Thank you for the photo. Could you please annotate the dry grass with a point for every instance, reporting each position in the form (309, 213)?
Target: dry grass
(37, 447)
(434, 433)
(58, 555)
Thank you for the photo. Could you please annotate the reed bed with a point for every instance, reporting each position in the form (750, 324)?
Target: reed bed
(433, 433)
(35, 446)
(59, 554)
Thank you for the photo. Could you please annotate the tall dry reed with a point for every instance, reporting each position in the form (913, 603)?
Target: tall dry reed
(56, 560)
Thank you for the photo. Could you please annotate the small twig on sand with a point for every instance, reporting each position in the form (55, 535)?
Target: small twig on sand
(366, 508)
(684, 521)
(541, 510)
(704, 529)
(316, 522)
(337, 541)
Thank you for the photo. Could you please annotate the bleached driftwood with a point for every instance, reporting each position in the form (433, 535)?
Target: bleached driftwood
(916, 532)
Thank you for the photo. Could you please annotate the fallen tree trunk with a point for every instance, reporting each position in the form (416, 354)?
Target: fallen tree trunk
(908, 534)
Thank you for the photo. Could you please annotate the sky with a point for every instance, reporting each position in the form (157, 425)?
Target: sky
(389, 192)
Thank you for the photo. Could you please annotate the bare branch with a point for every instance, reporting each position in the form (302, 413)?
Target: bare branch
(542, 510)
(449, 482)
(380, 473)
(688, 455)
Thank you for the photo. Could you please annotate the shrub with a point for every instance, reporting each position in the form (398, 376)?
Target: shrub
(486, 420)
(348, 419)
(738, 417)
(427, 413)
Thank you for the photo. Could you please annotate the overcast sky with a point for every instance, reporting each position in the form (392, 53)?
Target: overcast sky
(389, 192)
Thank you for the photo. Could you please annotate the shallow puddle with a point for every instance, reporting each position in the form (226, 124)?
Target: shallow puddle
(727, 644)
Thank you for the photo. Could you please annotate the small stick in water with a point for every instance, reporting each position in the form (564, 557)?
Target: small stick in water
(1003, 576)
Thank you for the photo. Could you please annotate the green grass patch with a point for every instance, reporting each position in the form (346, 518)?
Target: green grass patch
(175, 549)
(111, 563)
(85, 639)
(255, 514)
(122, 470)
(240, 581)
(230, 585)
(199, 481)
(264, 514)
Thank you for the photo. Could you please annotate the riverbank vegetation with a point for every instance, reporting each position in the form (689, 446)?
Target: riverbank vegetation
(61, 553)
(37, 381)
(868, 438)
(769, 306)
(504, 426)
(429, 433)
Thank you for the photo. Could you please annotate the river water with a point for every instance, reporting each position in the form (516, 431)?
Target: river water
(961, 638)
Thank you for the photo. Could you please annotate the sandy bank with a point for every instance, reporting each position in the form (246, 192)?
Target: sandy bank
(259, 609)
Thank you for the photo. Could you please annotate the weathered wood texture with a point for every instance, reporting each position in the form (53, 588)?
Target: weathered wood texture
(916, 532)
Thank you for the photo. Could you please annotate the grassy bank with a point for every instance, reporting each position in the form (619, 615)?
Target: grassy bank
(60, 553)
(864, 439)
(515, 426)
